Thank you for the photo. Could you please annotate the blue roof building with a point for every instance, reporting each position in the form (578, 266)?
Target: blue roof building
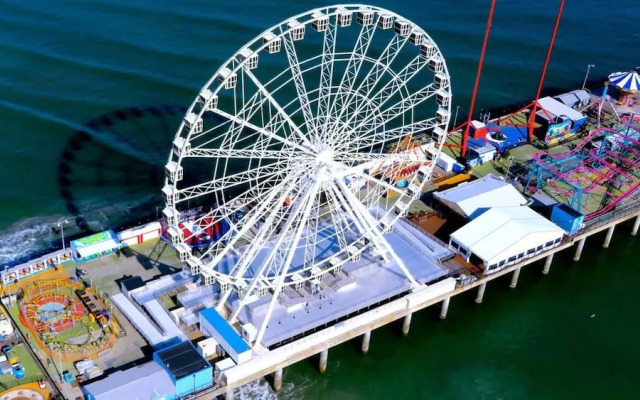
(188, 370)
(176, 371)
(213, 325)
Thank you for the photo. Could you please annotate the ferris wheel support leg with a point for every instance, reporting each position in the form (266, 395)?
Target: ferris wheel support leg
(261, 238)
(368, 219)
(245, 228)
(360, 225)
(283, 271)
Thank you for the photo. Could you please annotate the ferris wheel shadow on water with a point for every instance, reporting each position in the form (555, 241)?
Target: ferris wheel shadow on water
(110, 174)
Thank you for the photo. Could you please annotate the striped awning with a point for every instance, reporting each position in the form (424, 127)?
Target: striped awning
(626, 80)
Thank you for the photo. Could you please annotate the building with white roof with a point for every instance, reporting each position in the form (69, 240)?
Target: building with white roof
(555, 112)
(503, 236)
(470, 199)
(148, 381)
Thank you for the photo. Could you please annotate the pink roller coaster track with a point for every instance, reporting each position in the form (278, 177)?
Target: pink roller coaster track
(543, 159)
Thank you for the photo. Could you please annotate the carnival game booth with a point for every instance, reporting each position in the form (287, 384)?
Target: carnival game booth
(95, 246)
(559, 120)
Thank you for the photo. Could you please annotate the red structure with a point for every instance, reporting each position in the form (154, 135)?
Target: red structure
(465, 134)
(532, 117)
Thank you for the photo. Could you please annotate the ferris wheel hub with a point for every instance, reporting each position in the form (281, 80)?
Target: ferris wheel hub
(324, 157)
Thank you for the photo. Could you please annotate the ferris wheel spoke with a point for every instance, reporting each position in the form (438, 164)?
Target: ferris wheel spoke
(298, 79)
(337, 219)
(271, 204)
(279, 212)
(398, 109)
(265, 132)
(370, 222)
(263, 189)
(381, 183)
(312, 234)
(354, 64)
(292, 221)
(246, 153)
(388, 136)
(255, 175)
(407, 157)
(277, 106)
(396, 84)
(299, 228)
(273, 219)
(326, 73)
(369, 82)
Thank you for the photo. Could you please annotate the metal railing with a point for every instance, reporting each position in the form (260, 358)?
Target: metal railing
(608, 218)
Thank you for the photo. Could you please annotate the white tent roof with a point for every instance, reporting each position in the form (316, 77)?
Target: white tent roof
(501, 229)
(558, 109)
(472, 198)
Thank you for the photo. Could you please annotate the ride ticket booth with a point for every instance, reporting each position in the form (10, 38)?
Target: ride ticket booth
(95, 246)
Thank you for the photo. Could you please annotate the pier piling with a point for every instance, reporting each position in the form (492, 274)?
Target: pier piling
(514, 278)
(445, 308)
(366, 338)
(636, 225)
(277, 380)
(576, 257)
(480, 295)
(228, 395)
(547, 264)
(323, 361)
(607, 240)
(406, 324)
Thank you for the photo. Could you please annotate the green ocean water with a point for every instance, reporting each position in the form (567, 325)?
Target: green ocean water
(91, 94)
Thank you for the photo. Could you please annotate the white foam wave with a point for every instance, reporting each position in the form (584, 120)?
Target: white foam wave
(24, 237)
(261, 390)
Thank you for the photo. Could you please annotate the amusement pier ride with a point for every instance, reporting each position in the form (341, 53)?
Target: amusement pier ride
(308, 144)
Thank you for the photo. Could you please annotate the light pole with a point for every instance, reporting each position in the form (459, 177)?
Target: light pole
(61, 223)
(587, 75)
(455, 119)
(510, 159)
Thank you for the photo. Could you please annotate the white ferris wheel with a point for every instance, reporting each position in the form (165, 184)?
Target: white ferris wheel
(309, 143)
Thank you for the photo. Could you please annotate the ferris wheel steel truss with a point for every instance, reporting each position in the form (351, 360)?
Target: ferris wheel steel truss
(309, 151)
